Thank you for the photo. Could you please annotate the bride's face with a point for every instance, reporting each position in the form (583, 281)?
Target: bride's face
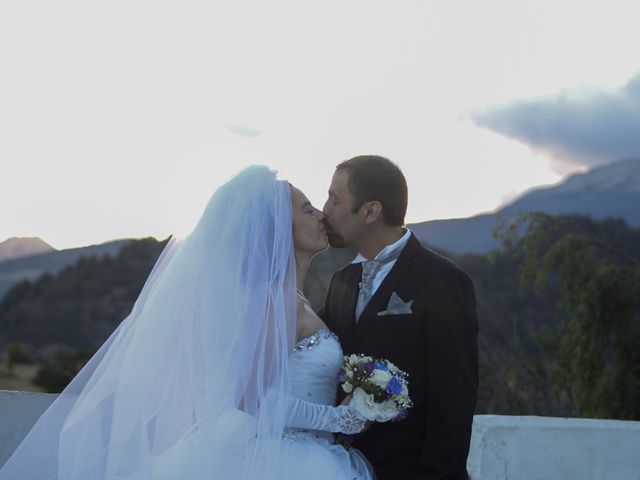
(308, 231)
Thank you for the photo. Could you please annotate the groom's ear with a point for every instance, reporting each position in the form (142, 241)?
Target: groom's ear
(373, 211)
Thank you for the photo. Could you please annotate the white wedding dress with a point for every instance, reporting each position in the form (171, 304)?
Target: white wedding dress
(304, 453)
(315, 362)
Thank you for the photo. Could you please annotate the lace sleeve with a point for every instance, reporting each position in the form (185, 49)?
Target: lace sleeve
(340, 419)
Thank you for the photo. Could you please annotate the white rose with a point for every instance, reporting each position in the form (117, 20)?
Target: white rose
(381, 378)
(386, 411)
(363, 403)
(347, 387)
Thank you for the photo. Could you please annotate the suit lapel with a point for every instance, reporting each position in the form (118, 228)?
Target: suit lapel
(380, 298)
(348, 306)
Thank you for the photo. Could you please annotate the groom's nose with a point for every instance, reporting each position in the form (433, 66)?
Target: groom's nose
(324, 208)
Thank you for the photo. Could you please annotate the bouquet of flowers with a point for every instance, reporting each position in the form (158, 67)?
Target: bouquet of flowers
(379, 389)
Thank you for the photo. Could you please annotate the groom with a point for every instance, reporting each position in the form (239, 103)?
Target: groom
(403, 302)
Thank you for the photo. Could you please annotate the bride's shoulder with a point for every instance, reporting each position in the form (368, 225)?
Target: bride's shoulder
(308, 323)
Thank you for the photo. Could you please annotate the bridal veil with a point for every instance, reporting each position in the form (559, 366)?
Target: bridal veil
(198, 371)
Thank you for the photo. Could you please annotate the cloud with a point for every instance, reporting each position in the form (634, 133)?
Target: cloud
(580, 127)
(245, 131)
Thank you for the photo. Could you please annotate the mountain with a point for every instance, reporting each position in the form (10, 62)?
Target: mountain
(609, 191)
(16, 247)
(29, 268)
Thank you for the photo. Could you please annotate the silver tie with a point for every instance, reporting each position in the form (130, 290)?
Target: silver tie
(369, 269)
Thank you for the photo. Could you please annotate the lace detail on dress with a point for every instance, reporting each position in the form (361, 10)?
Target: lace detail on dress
(310, 341)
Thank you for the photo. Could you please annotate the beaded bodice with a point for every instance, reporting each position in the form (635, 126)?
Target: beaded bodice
(315, 362)
(310, 341)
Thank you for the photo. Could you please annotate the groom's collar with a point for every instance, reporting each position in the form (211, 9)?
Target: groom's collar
(392, 250)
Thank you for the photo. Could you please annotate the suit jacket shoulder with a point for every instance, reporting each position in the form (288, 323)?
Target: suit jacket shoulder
(344, 271)
(437, 278)
(437, 263)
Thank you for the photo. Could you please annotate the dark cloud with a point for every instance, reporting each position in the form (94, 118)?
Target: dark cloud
(578, 127)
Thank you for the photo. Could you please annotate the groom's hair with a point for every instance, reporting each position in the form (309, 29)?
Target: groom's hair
(372, 177)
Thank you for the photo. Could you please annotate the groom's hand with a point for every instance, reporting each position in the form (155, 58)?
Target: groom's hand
(347, 401)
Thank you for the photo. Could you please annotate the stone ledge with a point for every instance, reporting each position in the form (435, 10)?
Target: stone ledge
(19, 411)
(547, 448)
(502, 447)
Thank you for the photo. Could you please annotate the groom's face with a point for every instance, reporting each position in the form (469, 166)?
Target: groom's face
(341, 222)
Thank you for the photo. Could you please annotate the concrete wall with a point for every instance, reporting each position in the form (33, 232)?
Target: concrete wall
(502, 447)
(19, 411)
(546, 448)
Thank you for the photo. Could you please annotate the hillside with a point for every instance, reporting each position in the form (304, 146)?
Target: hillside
(609, 191)
(31, 267)
(79, 306)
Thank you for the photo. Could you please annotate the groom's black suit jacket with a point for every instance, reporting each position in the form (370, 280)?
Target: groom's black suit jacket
(436, 345)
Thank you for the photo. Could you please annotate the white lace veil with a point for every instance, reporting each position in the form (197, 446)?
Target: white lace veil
(184, 378)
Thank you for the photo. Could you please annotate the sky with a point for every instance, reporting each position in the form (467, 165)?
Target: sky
(119, 119)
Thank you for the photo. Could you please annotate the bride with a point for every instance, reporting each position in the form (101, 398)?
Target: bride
(220, 371)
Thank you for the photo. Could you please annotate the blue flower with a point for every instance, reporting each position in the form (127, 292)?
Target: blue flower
(394, 386)
(381, 366)
(341, 376)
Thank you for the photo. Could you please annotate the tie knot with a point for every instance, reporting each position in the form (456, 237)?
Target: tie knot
(369, 267)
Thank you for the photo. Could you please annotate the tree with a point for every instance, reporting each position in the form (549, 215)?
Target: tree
(596, 347)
